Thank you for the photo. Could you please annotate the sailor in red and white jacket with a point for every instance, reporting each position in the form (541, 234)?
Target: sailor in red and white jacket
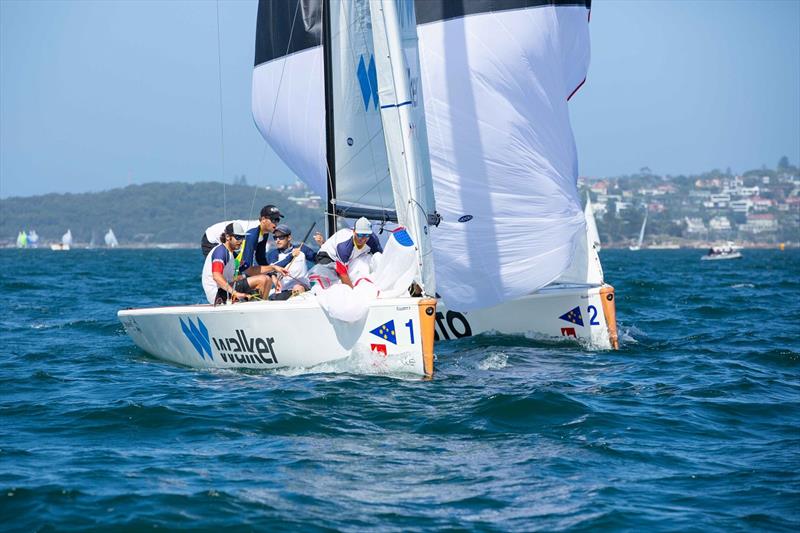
(346, 245)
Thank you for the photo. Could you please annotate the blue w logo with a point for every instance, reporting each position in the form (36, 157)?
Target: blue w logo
(368, 81)
(198, 336)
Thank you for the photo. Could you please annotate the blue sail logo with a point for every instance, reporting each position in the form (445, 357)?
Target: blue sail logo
(368, 81)
(198, 336)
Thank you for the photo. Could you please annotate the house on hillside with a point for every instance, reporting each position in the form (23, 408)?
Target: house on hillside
(695, 227)
(760, 223)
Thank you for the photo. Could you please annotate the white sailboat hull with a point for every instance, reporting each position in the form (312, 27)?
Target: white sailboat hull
(298, 333)
(294, 333)
(722, 256)
(541, 315)
(59, 247)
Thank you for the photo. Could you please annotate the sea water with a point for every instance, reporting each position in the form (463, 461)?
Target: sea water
(693, 424)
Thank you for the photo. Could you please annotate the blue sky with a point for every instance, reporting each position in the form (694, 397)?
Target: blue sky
(101, 94)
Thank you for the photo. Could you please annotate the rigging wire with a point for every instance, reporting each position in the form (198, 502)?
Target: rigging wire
(221, 120)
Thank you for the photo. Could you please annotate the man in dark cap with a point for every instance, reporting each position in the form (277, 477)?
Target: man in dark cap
(256, 240)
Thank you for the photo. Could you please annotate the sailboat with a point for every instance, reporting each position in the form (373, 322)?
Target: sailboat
(65, 244)
(638, 245)
(33, 239)
(401, 113)
(22, 240)
(111, 239)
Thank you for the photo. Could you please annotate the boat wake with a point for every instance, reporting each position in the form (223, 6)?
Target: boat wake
(494, 361)
(360, 362)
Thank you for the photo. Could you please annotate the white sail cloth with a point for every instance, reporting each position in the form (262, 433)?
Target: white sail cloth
(289, 111)
(503, 155)
(386, 275)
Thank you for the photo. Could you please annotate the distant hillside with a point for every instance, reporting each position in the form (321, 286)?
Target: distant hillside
(153, 212)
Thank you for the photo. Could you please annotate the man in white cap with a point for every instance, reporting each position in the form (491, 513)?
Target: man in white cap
(219, 271)
(347, 245)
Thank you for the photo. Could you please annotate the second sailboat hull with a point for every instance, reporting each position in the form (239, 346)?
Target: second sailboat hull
(585, 314)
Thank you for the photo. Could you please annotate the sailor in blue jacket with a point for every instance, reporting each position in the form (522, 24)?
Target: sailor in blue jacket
(256, 241)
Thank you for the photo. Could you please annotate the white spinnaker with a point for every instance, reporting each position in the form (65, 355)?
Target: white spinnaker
(503, 156)
(362, 173)
(289, 111)
(403, 113)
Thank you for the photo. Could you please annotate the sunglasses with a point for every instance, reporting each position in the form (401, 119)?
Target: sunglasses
(363, 235)
(281, 237)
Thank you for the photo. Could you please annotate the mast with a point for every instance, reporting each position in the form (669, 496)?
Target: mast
(330, 149)
(403, 116)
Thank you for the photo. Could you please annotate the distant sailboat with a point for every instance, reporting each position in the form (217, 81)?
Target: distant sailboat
(111, 239)
(66, 242)
(591, 225)
(641, 234)
(22, 240)
(33, 239)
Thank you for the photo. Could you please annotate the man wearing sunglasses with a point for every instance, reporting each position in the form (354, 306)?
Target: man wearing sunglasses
(347, 245)
(256, 242)
(293, 258)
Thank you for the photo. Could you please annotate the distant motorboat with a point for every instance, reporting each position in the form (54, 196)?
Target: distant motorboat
(726, 251)
(111, 239)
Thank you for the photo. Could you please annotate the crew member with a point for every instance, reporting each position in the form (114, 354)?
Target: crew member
(347, 245)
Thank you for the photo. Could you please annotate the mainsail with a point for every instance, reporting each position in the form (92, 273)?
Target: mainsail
(496, 79)
(591, 224)
(66, 239)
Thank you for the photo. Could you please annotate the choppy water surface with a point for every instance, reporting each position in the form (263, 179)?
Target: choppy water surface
(691, 425)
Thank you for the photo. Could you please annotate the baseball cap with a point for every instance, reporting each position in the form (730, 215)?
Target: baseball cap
(281, 230)
(270, 211)
(236, 229)
(363, 227)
